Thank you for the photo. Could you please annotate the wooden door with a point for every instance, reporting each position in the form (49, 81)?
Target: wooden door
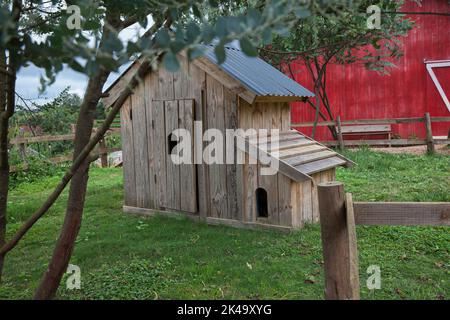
(181, 180)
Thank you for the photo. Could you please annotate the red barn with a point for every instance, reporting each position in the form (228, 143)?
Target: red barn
(409, 90)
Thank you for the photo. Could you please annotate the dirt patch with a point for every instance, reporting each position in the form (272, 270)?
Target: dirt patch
(416, 150)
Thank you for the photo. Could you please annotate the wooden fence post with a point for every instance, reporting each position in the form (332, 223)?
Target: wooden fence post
(104, 153)
(340, 137)
(430, 141)
(339, 242)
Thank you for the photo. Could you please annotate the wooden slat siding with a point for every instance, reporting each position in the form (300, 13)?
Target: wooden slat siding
(231, 122)
(285, 117)
(307, 203)
(298, 160)
(317, 178)
(173, 170)
(126, 128)
(165, 85)
(320, 165)
(197, 85)
(140, 148)
(402, 213)
(217, 172)
(284, 200)
(160, 139)
(151, 82)
(250, 184)
(181, 81)
(297, 206)
(187, 171)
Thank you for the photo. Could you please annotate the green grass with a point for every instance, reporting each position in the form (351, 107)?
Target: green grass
(123, 256)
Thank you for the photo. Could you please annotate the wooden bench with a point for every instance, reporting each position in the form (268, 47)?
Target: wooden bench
(375, 129)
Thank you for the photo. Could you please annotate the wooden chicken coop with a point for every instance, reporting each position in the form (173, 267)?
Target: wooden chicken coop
(245, 93)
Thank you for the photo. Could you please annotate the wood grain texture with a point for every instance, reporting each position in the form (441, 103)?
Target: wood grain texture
(231, 122)
(335, 241)
(151, 81)
(173, 191)
(126, 127)
(159, 133)
(197, 87)
(402, 213)
(285, 208)
(188, 181)
(140, 147)
(352, 247)
(217, 172)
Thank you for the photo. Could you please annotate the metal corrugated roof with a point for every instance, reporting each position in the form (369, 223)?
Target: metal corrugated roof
(256, 74)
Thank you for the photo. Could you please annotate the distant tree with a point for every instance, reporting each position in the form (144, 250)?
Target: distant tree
(342, 37)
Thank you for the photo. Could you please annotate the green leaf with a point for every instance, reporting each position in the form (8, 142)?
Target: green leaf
(248, 48)
(219, 50)
(171, 62)
(194, 53)
(162, 38)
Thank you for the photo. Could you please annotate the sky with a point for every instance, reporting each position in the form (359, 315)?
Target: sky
(28, 79)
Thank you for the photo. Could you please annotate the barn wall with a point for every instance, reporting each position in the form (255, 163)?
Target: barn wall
(357, 93)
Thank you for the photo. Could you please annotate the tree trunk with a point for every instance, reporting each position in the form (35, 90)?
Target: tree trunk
(72, 222)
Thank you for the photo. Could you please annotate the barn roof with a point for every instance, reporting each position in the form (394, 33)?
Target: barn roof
(296, 155)
(256, 74)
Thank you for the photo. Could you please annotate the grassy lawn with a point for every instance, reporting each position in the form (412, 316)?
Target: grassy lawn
(123, 256)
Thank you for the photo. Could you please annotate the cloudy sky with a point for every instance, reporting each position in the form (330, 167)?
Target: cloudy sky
(28, 78)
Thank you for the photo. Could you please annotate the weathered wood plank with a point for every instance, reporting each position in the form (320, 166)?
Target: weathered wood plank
(335, 243)
(353, 263)
(173, 170)
(160, 139)
(307, 201)
(187, 171)
(197, 87)
(320, 165)
(140, 147)
(217, 172)
(308, 147)
(284, 200)
(381, 128)
(126, 127)
(302, 159)
(231, 122)
(151, 82)
(402, 213)
(297, 204)
(250, 172)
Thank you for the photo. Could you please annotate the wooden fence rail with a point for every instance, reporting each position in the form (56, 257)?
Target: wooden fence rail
(339, 216)
(21, 143)
(430, 142)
